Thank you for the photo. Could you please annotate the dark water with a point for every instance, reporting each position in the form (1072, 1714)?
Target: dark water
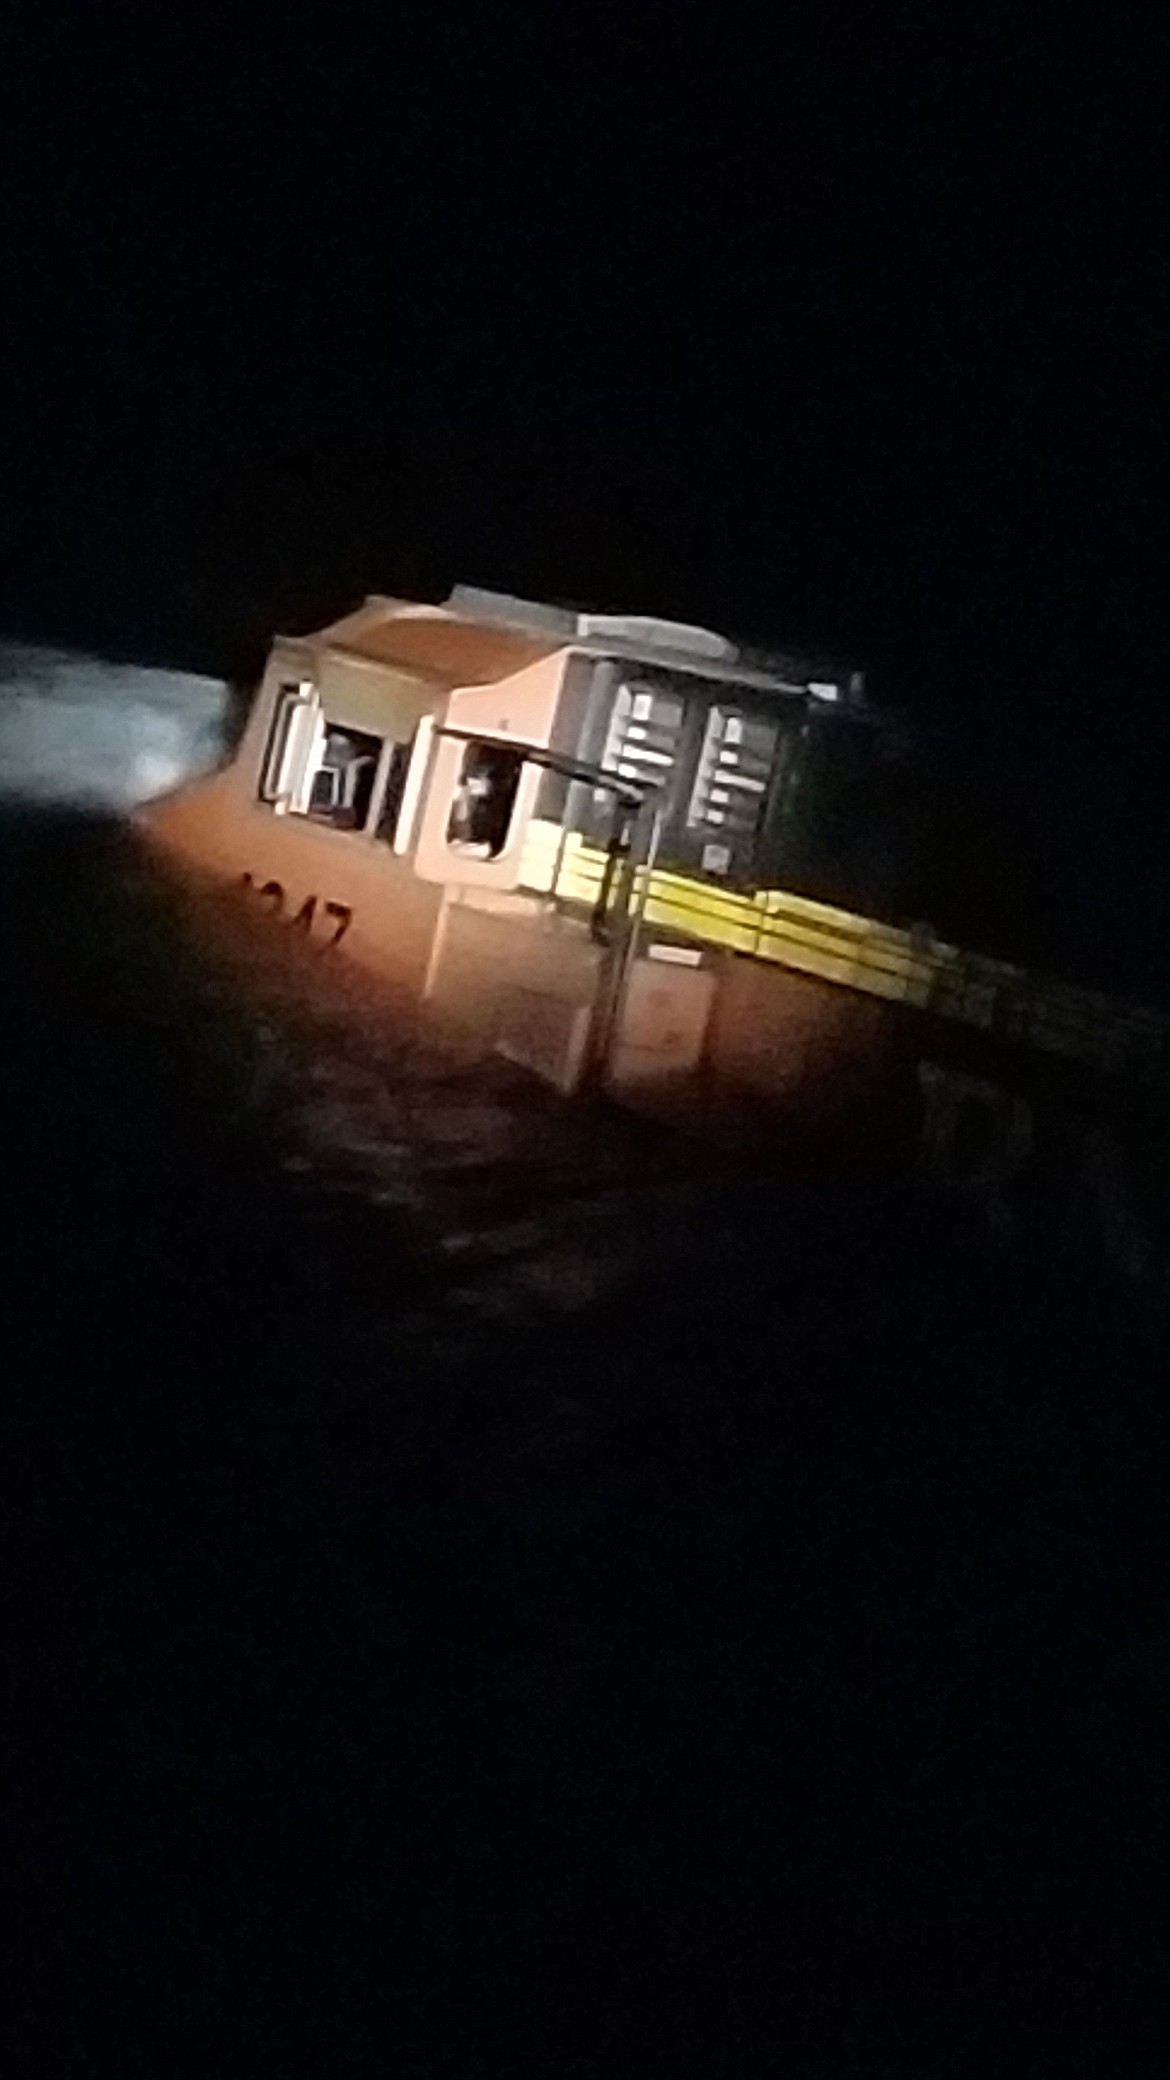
(490, 1599)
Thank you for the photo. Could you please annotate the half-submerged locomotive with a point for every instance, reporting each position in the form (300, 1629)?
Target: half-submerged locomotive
(567, 836)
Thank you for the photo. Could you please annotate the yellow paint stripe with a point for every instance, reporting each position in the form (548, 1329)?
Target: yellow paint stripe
(855, 952)
(817, 938)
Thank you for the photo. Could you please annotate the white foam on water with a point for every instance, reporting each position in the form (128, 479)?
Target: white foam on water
(80, 731)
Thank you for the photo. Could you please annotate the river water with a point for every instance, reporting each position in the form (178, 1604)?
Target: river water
(500, 1590)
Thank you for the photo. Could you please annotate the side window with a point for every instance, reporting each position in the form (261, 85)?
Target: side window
(293, 724)
(315, 766)
(342, 783)
(485, 796)
(390, 810)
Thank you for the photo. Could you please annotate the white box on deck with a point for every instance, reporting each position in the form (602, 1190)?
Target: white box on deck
(664, 1021)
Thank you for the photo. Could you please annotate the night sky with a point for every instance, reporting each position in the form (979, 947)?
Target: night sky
(852, 334)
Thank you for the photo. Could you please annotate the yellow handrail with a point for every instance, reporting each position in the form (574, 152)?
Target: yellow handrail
(855, 952)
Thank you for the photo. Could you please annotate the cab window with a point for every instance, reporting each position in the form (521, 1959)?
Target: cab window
(341, 788)
(485, 796)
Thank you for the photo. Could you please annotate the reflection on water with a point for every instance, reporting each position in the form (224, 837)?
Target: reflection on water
(78, 730)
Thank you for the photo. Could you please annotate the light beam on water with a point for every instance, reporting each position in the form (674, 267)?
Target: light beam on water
(77, 731)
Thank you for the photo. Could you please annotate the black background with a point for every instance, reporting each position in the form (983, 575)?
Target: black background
(767, 1664)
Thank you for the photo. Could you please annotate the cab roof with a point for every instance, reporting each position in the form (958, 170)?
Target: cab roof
(475, 637)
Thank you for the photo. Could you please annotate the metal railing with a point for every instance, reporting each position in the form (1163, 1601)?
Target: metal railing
(859, 953)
